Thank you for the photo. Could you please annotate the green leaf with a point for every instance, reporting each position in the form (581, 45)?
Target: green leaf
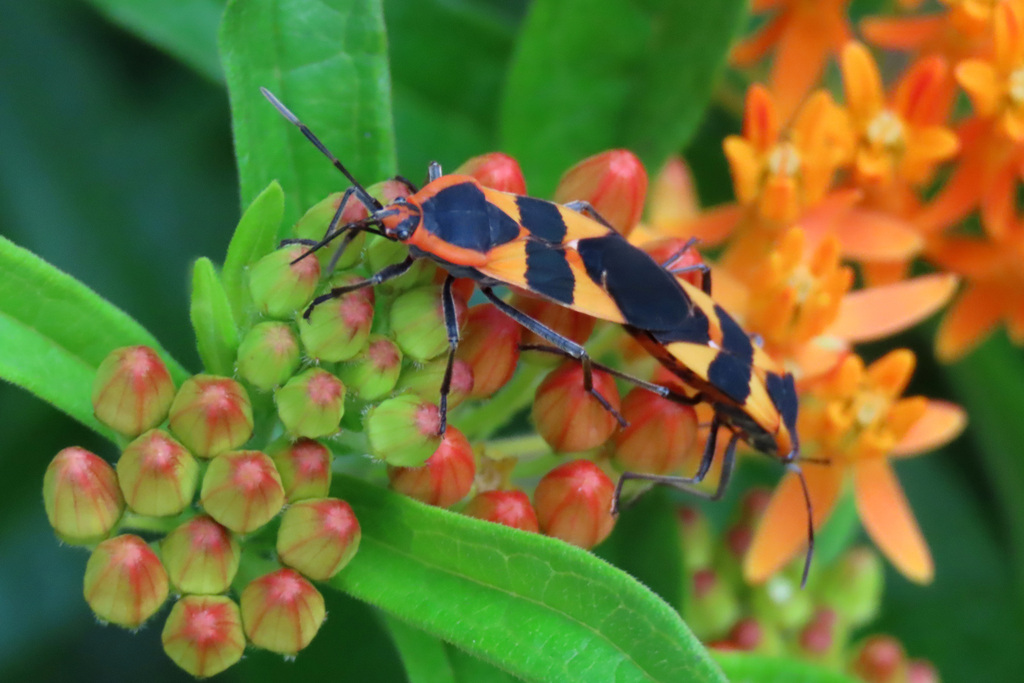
(186, 29)
(216, 334)
(425, 657)
(446, 106)
(254, 238)
(533, 606)
(634, 74)
(55, 332)
(325, 60)
(839, 533)
(748, 668)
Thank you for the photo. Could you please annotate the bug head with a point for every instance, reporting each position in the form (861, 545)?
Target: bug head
(399, 219)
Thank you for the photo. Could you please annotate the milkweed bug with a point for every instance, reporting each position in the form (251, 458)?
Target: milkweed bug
(569, 255)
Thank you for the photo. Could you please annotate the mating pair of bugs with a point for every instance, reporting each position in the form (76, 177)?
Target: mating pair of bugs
(569, 255)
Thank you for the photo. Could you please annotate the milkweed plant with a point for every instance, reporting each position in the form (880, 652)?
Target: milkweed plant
(849, 173)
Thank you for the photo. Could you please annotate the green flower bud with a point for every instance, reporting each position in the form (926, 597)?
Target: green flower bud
(852, 586)
(132, 390)
(201, 556)
(125, 584)
(425, 381)
(242, 490)
(417, 323)
(781, 601)
(211, 414)
(712, 607)
(403, 430)
(268, 355)
(313, 226)
(157, 475)
(280, 284)
(338, 329)
(311, 403)
(373, 374)
(318, 537)
(82, 498)
(203, 634)
(695, 538)
(282, 611)
(305, 468)
(382, 252)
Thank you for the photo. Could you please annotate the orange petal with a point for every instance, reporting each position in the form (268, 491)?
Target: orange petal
(918, 95)
(756, 46)
(760, 122)
(998, 201)
(1009, 35)
(861, 81)
(715, 224)
(730, 293)
(891, 372)
(965, 255)
(868, 235)
(813, 33)
(745, 166)
(979, 79)
(904, 33)
(941, 423)
(877, 312)
(889, 521)
(818, 357)
(782, 531)
(926, 147)
(970, 319)
(673, 194)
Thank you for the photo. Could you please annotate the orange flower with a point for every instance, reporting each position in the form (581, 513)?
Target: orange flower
(780, 174)
(898, 139)
(804, 33)
(996, 85)
(962, 31)
(854, 420)
(995, 291)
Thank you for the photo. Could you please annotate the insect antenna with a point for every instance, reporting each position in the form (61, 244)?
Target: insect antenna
(365, 197)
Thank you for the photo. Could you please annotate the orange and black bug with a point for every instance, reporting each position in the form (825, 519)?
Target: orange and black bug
(569, 255)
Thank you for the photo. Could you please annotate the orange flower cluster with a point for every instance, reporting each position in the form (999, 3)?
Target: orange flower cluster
(872, 180)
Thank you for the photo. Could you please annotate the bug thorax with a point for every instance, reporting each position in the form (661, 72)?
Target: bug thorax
(400, 219)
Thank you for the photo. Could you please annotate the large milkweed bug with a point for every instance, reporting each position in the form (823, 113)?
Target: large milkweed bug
(568, 254)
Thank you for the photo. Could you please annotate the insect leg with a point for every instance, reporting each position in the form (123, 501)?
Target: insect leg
(705, 269)
(451, 324)
(383, 275)
(566, 346)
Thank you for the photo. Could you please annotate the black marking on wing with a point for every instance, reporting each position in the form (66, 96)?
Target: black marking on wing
(734, 340)
(548, 273)
(543, 219)
(782, 391)
(502, 228)
(649, 297)
(459, 215)
(730, 376)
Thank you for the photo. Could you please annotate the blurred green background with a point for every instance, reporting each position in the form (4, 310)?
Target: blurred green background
(116, 166)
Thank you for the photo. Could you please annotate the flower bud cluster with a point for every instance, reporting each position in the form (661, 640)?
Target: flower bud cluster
(816, 623)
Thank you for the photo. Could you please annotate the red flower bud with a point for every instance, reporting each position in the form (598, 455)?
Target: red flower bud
(201, 556)
(615, 184)
(819, 636)
(403, 430)
(268, 355)
(311, 403)
(495, 170)
(281, 282)
(305, 468)
(132, 390)
(664, 250)
(125, 583)
(338, 329)
(880, 660)
(313, 226)
(242, 490)
(660, 437)
(203, 634)
(81, 495)
(511, 508)
(211, 414)
(282, 611)
(445, 478)
(373, 374)
(490, 344)
(157, 475)
(318, 537)
(921, 671)
(747, 634)
(574, 502)
(568, 417)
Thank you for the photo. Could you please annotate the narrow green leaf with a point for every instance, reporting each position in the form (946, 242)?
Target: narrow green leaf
(55, 332)
(637, 74)
(425, 657)
(254, 238)
(839, 532)
(748, 668)
(533, 606)
(216, 334)
(327, 61)
(186, 29)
